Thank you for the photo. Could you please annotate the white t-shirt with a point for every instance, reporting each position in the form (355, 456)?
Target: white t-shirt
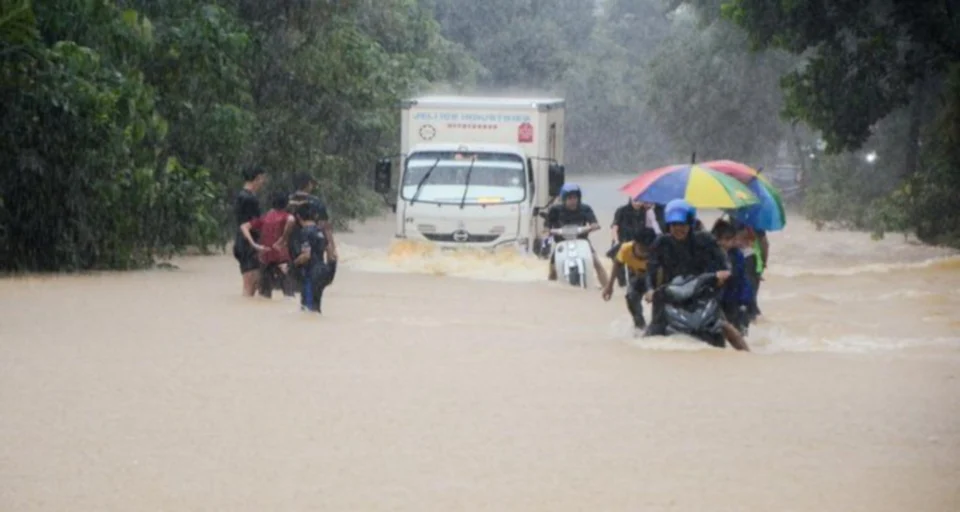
(652, 221)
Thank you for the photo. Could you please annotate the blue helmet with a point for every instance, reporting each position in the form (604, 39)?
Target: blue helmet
(570, 188)
(679, 211)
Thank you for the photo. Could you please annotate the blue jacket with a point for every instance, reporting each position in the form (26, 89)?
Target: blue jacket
(737, 289)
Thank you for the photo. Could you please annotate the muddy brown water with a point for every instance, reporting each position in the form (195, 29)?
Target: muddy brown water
(439, 381)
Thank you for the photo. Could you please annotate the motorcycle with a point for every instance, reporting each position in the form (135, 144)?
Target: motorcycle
(691, 307)
(572, 256)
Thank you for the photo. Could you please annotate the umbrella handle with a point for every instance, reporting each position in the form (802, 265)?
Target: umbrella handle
(693, 158)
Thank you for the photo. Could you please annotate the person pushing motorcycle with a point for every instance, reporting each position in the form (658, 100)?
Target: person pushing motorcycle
(684, 251)
(572, 211)
(632, 255)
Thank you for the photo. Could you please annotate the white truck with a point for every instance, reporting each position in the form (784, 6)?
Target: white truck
(475, 171)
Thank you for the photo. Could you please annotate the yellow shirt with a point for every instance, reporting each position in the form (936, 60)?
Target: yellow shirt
(626, 257)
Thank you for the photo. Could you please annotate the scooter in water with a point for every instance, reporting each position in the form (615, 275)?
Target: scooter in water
(572, 256)
(691, 307)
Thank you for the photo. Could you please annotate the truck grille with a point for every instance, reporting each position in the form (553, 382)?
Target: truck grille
(471, 239)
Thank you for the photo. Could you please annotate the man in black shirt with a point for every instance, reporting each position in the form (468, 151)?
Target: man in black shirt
(246, 209)
(629, 221)
(684, 251)
(572, 211)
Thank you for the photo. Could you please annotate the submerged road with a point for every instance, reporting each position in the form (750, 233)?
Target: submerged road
(444, 381)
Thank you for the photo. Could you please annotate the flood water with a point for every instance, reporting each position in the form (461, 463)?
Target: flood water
(445, 381)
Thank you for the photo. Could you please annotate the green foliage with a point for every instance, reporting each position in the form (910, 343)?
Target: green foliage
(126, 123)
(326, 94)
(929, 198)
(18, 26)
(611, 126)
(838, 187)
(710, 95)
(882, 74)
(594, 59)
(643, 86)
(608, 121)
(81, 191)
(519, 43)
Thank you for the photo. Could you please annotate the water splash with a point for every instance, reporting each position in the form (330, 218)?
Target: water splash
(781, 342)
(777, 340)
(944, 263)
(407, 256)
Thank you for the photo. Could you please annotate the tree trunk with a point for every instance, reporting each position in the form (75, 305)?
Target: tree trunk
(912, 162)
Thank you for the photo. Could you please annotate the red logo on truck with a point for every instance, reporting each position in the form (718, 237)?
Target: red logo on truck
(525, 133)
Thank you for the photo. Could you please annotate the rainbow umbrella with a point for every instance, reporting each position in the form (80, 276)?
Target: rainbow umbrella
(700, 186)
(742, 172)
(769, 214)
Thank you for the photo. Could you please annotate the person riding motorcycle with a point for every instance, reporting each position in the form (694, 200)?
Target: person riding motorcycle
(684, 251)
(572, 211)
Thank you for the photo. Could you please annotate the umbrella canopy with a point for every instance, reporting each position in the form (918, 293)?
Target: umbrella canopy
(700, 186)
(768, 214)
(742, 172)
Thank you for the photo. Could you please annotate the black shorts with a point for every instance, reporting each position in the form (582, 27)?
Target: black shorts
(245, 255)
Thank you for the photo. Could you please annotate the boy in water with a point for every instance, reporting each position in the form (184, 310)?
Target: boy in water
(313, 257)
(756, 249)
(274, 228)
(247, 208)
(632, 255)
(628, 221)
(737, 293)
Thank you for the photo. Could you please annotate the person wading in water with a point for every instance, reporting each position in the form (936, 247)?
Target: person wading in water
(305, 185)
(246, 209)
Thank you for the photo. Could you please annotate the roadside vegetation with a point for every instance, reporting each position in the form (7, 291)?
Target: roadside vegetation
(126, 122)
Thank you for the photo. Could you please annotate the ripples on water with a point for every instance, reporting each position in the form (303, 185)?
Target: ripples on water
(421, 391)
(809, 305)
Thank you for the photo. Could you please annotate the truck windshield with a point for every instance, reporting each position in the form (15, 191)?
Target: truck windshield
(492, 178)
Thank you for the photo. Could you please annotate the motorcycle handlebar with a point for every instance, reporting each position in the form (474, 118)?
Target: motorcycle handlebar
(687, 279)
(568, 232)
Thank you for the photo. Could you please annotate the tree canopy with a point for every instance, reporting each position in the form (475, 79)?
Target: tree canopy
(872, 68)
(127, 123)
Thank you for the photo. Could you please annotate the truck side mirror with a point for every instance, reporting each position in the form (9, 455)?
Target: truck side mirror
(382, 176)
(555, 179)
